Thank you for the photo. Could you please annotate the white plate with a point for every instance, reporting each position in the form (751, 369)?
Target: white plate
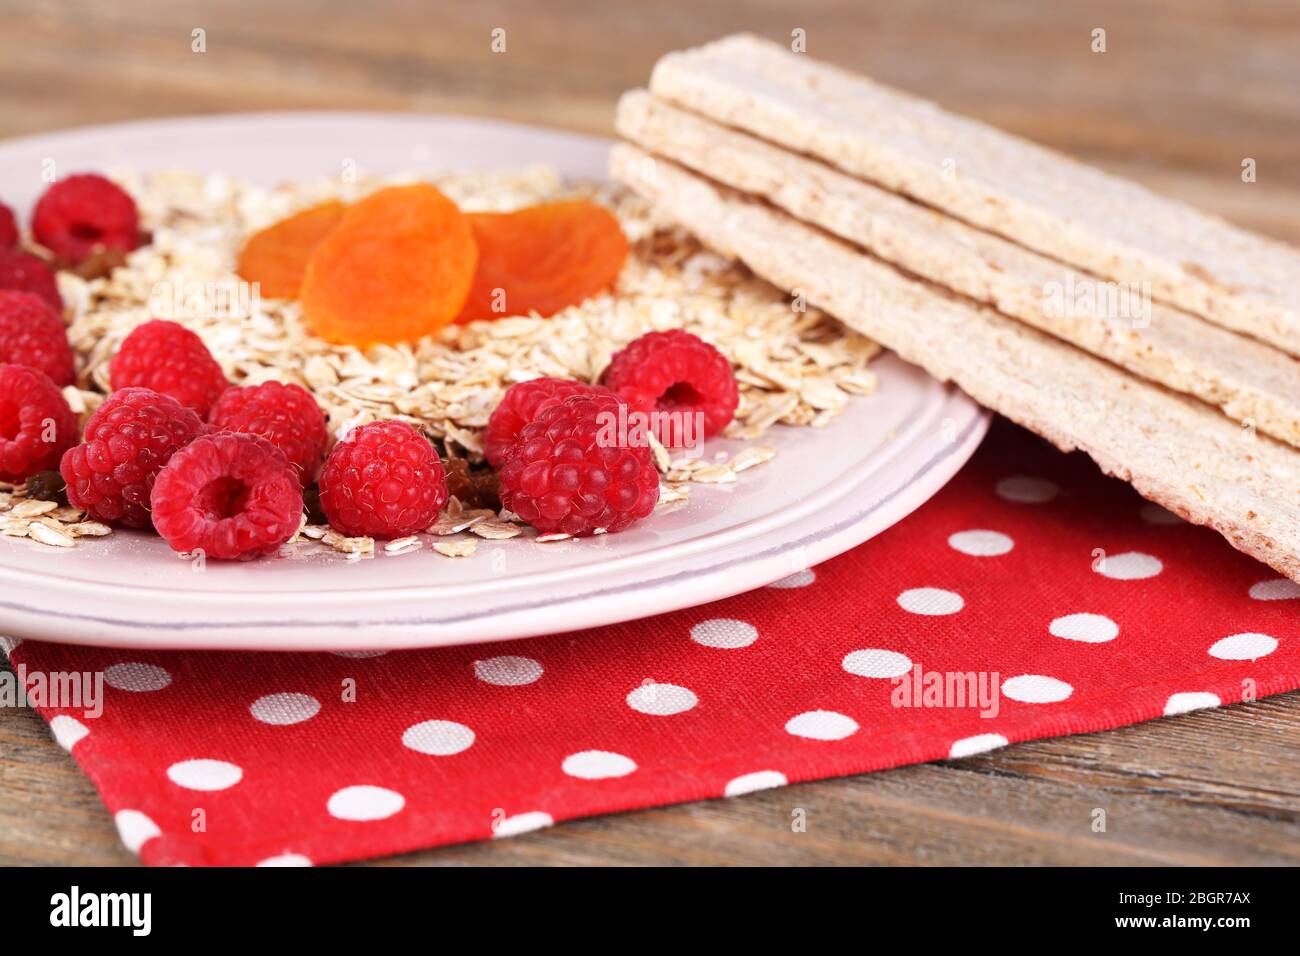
(826, 491)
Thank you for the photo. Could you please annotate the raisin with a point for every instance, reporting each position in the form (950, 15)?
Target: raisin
(48, 486)
(475, 487)
(311, 504)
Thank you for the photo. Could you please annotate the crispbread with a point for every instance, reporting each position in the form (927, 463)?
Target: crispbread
(1034, 196)
(1174, 450)
(1250, 381)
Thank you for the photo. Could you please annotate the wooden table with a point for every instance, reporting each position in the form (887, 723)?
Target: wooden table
(1183, 94)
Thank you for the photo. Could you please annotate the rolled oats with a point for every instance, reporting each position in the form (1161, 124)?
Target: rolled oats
(402, 545)
(33, 507)
(662, 461)
(669, 494)
(350, 546)
(455, 523)
(749, 457)
(456, 547)
(713, 475)
(88, 529)
(51, 535)
(495, 529)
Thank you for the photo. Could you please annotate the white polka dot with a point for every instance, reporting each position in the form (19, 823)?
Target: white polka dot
(521, 823)
(597, 765)
(751, 782)
(1243, 647)
(1190, 700)
(1130, 566)
(285, 708)
(1036, 689)
(1154, 514)
(1027, 490)
(969, 746)
(1275, 589)
(68, 731)
(364, 802)
(135, 829)
(1089, 628)
(358, 655)
(724, 632)
(507, 671)
(438, 738)
(285, 859)
(821, 725)
(137, 677)
(876, 662)
(981, 544)
(800, 579)
(931, 601)
(204, 774)
(662, 699)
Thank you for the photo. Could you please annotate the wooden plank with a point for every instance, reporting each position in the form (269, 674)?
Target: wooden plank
(1216, 81)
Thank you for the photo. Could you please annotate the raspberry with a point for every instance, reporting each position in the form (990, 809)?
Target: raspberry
(8, 228)
(32, 334)
(519, 406)
(566, 473)
(23, 272)
(85, 214)
(228, 495)
(36, 424)
(285, 415)
(171, 359)
(384, 481)
(678, 373)
(127, 441)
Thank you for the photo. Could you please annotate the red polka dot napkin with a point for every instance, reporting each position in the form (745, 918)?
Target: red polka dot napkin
(1031, 597)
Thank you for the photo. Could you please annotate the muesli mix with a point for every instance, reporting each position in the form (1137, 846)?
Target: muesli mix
(467, 356)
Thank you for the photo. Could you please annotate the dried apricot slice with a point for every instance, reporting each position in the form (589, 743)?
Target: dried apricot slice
(543, 258)
(276, 257)
(397, 266)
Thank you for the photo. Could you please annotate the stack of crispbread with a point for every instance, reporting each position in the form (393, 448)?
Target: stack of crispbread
(968, 251)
